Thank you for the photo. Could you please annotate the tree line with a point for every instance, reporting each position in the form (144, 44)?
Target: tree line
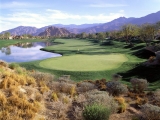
(128, 32)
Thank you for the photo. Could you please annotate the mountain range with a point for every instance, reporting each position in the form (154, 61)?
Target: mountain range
(55, 31)
(89, 28)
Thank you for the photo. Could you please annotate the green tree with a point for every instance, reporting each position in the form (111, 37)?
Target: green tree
(83, 35)
(92, 36)
(128, 32)
(6, 35)
(147, 33)
(101, 36)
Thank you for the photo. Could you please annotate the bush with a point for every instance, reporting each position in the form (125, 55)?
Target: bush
(85, 86)
(157, 98)
(45, 77)
(122, 104)
(3, 63)
(115, 88)
(102, 98)
(150, 112)
(96, 112)
(13, 66)
(139, 85)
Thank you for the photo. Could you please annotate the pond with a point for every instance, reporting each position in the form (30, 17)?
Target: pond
(25, 52)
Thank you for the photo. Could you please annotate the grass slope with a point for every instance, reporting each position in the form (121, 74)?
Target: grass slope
(85, 62)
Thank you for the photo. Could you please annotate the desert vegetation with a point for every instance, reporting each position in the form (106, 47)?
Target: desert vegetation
(34, 95)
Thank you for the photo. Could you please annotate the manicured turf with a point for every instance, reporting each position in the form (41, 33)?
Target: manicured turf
(85, 62)
(73, 47)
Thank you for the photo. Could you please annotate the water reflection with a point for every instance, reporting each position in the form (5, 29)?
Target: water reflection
(24, 52)
(6, 50)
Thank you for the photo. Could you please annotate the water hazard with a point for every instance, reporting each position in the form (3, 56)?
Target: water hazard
(25, 52)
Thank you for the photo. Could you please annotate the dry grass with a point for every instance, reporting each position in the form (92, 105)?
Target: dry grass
(3, 99)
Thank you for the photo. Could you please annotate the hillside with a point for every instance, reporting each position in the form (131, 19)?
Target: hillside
(54, 31)
(22, 30)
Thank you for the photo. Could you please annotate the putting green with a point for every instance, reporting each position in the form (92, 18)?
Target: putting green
(85, 62)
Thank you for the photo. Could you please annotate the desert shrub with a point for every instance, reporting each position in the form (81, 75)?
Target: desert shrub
(3, 99)
(96, 112)
(100, 84)
(43, 87)
(65, 100)
(73, 91)
(63, 87)
(81, 98)
(38, 97)
(139, 85)
(3, 63)
(45, 77)
(157, 97)
(17, 68)
(122, 104)
(20, 70)
(14, 79)
(150, 112)
(4, 115)
(60, 109)
(13, 66)
(77, 112)
(85, 86)
(67, 88)
(141, 101)
(30, 80)
(157, 93)
(54, 96)
(29, 91)
(116, 88)
(102, 98)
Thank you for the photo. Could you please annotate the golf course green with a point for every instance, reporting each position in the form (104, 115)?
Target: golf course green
(85, 62)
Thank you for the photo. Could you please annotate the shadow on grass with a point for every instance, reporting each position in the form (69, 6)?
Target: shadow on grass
(150, 73)
(145, 54)
(94, 41)
(107, 43)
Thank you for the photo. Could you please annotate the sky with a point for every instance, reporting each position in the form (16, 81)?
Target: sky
(40, 13)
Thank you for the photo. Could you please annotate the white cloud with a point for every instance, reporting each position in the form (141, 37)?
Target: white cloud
(106, 5)
(50, 17)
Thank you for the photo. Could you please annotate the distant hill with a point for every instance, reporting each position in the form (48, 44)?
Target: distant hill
(90, 28)
(113, 25)
(54, 31)
(22, 30)
(82, 26)
(117, 23)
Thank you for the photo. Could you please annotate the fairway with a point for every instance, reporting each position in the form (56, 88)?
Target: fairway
(85, 62)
